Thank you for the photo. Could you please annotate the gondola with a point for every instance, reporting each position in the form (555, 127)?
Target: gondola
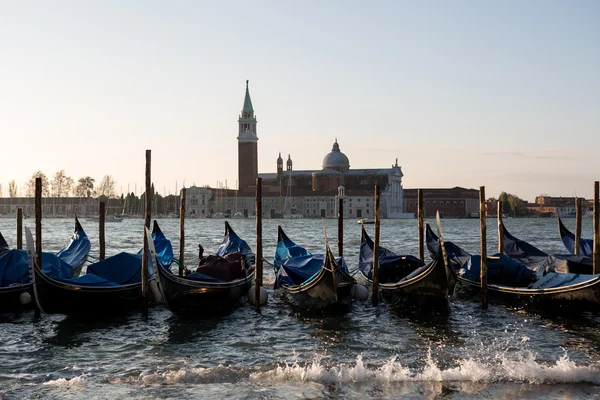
(109, 286)
(586, 246)
(404, 279)
(537, 260)
(15, 279)
(514, 282)
(217, 285)
(311, 282)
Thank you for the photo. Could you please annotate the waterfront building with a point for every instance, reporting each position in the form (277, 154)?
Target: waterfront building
(299, 193)
(450, 202)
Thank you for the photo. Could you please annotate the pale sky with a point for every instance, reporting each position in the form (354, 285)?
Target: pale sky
(504, 94)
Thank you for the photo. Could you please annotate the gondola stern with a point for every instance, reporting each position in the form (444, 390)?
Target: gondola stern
(228, 229)
(78, 228)
(562, 229)
(281, 236)
(3, 244)
(156, 228)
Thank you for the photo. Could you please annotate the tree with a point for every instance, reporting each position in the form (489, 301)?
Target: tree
(31, 184)
(61, 184)
(12, 188)
(85, 187)
(106, 187)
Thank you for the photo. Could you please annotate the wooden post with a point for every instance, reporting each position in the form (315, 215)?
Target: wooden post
(421, 226)
(375, 275)
(596, 231)
(500, 235)
(147, 225)
(577, 226)
(101, 215)
(483, 251)
(19, 228)
(341, 226)
(182, 231)
(38, 220)
(258, 272)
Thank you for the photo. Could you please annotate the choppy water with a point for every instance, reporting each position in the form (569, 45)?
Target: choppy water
(276, 354)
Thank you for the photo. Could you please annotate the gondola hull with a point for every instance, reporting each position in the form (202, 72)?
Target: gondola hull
(183, 295)
(432, 286)
(585, 295)
(327, 291)
(10, 297)
(56, 297)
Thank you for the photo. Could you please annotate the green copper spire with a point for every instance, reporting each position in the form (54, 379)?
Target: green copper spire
(247, 101)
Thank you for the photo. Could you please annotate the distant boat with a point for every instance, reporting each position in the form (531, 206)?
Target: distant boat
(294, 214)
(108, 218)
(365, 221)
(238, 215)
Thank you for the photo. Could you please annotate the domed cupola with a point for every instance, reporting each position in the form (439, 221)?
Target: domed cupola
(336, 159)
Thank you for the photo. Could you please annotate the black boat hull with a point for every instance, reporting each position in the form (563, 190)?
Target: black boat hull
(328, 291)
(432, 286)
(585, 295)
(189, 296)
(55, 297)
(10, 297)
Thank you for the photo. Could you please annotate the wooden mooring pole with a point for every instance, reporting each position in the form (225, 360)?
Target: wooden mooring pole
(483, 250)
(19, 228)
(38, 221)
(101, 218)
(258, 272)
(375, 272)
(341, 226)
(420, 225)
(182, 231)
(147, 217)
(500, 235)
(577, 226)
(596, 231)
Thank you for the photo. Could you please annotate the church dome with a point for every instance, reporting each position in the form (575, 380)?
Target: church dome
(336, 159)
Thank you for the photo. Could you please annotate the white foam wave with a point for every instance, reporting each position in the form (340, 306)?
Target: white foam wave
(526, 370)
(76, 381)
(501, 369)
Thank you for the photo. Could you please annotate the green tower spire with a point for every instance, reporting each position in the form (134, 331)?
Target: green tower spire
(247, 101)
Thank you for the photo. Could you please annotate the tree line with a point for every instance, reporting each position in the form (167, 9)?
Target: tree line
(62, 185)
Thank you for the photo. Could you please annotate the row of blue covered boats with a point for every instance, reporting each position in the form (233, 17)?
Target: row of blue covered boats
(310, 282)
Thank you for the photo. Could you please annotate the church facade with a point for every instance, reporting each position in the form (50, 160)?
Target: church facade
(289, 193)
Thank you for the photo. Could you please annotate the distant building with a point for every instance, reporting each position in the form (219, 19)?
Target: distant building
(305, 193)
(452, 202)
(60, 206)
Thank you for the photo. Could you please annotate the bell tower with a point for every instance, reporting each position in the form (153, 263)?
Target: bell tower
(247, 146)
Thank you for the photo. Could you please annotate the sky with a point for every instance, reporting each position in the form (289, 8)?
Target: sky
(501, 94)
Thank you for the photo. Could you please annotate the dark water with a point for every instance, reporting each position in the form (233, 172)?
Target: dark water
(504, 352)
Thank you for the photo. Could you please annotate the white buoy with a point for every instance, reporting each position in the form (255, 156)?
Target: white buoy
(25, 298)
(264, 296)
(360, 292)
(155, 291)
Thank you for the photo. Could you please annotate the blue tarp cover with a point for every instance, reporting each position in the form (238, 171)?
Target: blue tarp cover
(554, 280)
(14, 264)
(542, 262)
(295, 265)
(501, 270)
(14, 267)
(586, 246)
(392, 267)
(77, 250)
(163, 247)
(233, 244)
(121, 269)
